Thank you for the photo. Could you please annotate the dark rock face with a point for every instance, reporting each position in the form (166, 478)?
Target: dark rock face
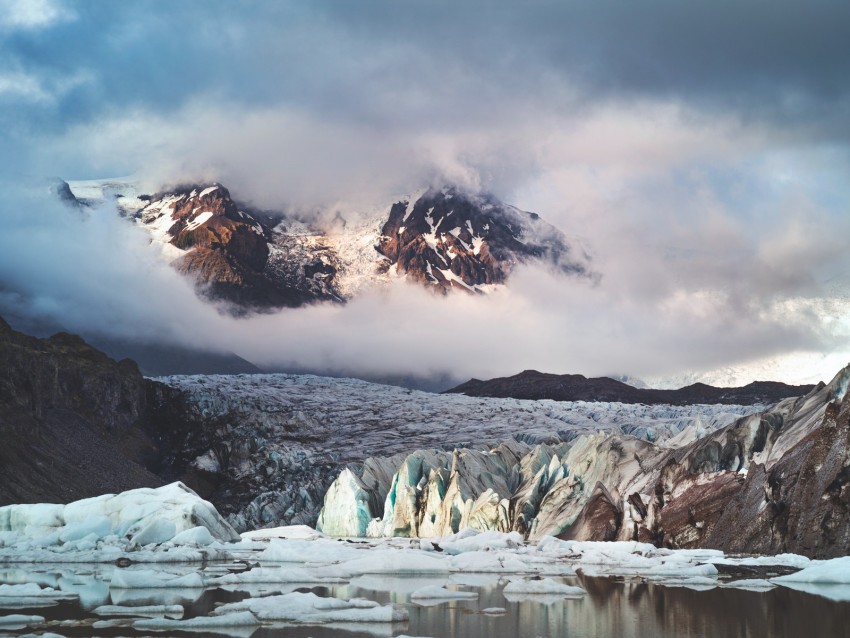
(69, 420)
(600, 519)
(74, 424)
(534, 385)
(802, 503)
(60, 189)
(794, 496)
(235, 255)
(452, 239)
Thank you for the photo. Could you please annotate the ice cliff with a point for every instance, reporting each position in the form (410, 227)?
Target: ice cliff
(769, 482)
(266, 448)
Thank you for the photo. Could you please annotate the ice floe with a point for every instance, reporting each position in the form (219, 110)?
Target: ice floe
(166, 524)
(31, 596)
(831, 572)
(543, 586)
(442, 594)
(154, 579)
(199, 623)
(309, 609)
(20, 621)
(151, 611)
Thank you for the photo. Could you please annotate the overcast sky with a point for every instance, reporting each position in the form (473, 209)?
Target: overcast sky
(701, 152)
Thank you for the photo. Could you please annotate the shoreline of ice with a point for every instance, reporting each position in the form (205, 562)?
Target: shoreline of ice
(140, 586)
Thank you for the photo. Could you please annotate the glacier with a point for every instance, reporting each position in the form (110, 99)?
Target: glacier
(614, 486)
(266, 448)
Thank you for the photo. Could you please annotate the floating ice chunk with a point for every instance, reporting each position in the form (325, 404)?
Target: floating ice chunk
(391, 561)
(784, 560)
(595, 551)
(397, 584)
(142, 611)
(750, 584)
(699, 583)
(545, 586)
(156, 596)
(24, 589)
(100, 526)
(31, 596)
(835, 572)
(441, 593)
(475, 580)
(272, 575)
(302, 551)
(152, 579)
(143, 515)
(200, 623)
(489, 562)
(467, 542)
(20, 621)
(28, 517)
(307, 608)
(494, 611)
(302, 532)
(680, 569)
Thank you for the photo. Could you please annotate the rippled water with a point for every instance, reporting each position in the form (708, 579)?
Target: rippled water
(612, 608)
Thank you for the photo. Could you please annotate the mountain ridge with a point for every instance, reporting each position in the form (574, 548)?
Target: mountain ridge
(534, 385)
(257, 261)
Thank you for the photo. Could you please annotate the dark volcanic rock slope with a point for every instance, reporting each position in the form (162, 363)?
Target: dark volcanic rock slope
(531, 384)
(69, 421)
(449, 238)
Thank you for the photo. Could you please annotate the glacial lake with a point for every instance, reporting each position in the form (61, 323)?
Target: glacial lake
(613, 607)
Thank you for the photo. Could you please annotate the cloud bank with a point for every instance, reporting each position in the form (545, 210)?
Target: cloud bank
(701, 153)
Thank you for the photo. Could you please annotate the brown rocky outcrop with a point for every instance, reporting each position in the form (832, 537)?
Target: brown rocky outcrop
(600, 519)
(235, 255)
(452, 239)
(802, 503)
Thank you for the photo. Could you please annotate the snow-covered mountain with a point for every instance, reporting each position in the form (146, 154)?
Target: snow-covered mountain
(449, 238)
(443, 238)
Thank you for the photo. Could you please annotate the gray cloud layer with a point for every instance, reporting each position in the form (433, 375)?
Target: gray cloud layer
(701, 150)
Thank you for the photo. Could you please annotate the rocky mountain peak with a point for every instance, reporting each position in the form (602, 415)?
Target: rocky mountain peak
(450, 238)
(446, 238)
(232, 254)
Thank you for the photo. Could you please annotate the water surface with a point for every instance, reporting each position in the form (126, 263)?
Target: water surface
(612, 608)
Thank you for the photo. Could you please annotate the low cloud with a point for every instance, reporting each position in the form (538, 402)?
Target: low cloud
(33, 14)
(96, 274)
(705, 174)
